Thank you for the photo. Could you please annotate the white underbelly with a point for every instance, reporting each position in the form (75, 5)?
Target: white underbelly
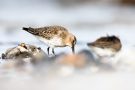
(103, 52)
(54, 42)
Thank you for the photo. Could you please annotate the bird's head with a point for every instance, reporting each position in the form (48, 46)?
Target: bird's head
(71, 42)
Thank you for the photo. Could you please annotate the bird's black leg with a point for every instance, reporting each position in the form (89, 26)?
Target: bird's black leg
(48, 50)
(53, 51)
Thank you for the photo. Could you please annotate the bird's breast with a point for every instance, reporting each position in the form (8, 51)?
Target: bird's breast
(53, 42)
(103, 51)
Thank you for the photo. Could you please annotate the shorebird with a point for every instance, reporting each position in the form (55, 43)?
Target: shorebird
(106, 46)
(24, 51)
(53, 36)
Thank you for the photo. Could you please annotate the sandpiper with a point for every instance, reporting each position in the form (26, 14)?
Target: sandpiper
(106, 46)
(53, 36)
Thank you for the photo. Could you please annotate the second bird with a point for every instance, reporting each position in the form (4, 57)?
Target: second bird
(106, 46)
(53, 36)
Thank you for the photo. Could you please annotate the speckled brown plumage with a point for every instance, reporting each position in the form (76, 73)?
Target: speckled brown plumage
(112, 42)
(47, 32)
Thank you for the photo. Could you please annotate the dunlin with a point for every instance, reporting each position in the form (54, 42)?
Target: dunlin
(106, 46)
(53, 36)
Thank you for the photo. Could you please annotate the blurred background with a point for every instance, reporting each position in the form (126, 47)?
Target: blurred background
(87, 20)
(79, 16)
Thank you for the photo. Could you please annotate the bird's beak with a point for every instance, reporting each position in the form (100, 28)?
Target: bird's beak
(73, 49)
(89, 44)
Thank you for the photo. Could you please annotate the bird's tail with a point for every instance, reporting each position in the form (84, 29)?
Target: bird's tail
(24, 28)
(30, 30)
(27, 29)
